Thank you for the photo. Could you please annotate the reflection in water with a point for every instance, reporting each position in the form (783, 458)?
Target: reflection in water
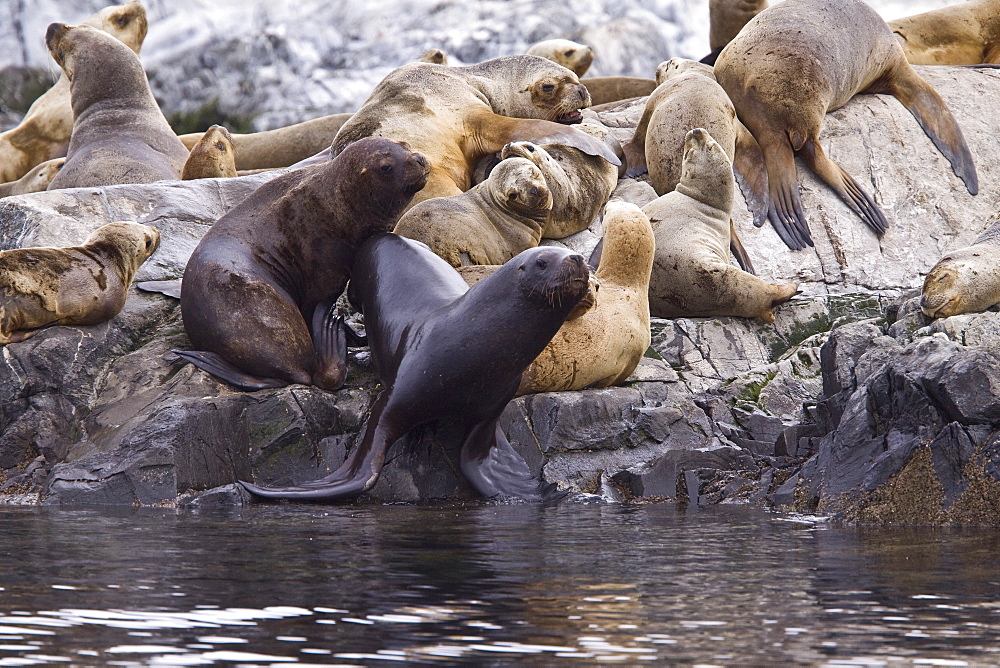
(456, 584)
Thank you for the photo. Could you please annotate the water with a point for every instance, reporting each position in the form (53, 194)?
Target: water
(488, 584)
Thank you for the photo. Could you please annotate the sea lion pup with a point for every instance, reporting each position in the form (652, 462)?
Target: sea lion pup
(457, 115)
(799, 59)
(281, 147)
(966, 280)
(36, 180)
(433, 56)
(571, 55)
(607, 90)
(119, 132)
(44, 132)
(488, 224)
(444, 351)
(726, 18)
(967, 33)
(78, 285)
(604, 345)
(691, 273)
(212, 157)
(580, 184)
(258, 293)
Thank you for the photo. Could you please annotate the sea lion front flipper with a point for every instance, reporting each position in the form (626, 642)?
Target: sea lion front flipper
(845, 186)
(220, 367)
(937, 121)
(738, 251)
(330, 343)
(751, 174)
(496, 131)
(496, 470)
(355, 340)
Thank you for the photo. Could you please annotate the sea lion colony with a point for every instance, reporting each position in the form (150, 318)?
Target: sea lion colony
(425, 137)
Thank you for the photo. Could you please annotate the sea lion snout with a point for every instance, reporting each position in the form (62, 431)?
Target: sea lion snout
(53, 39)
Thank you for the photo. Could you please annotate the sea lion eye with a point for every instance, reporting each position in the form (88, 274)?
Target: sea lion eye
(219, 145)
(548, 88)
(149, 243)
(531, 148)
(570, 53)
(386, 168)
(122, 21)
(512, 196)
(541, 263)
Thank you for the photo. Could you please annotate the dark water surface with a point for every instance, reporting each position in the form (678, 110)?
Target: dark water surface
(595, 584)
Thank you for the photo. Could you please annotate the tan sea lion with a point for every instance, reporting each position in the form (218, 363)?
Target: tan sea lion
(966, 280)
(457, 115)
(488, 224)
(967, 33)
(726, 19)
(799, 59)
(434, 56)
(580, 184)
(44, 132)
(36, 180)
(569, 54)
(281, 147)
(603, 346)
(691, 273)
(119, 132)
(606, 90)
(78, 285)
(212, 157)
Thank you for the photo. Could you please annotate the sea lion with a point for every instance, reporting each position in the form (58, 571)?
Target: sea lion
(78, 285)
(580, 184)
(726, 18)
(36, 180)
(457, 115)
(473, 273)
(799, 59)
(44, 132)
(281, 147)
(258, 292)
(433, 56)
(966, 280)
(212, 157)
(571, 55)
(447, 352)
(119, 132)
(967, 33)
(603, 346)
(605, 90)
(489, 223)
(691, 273)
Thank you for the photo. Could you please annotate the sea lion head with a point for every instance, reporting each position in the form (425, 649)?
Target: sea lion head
(517, 184)
(529, 151)
(551, 277)
(961, 282)
(128, 244)
(434, 56)
(571, 55)
(85, 48)
(214, 156)
(126, 22)
(677, 66)
(380, 176)
(555, 92)
(706, 170)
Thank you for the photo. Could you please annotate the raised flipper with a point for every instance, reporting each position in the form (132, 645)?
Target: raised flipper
(497, 471)
(170, 288)
(330, 343)
(846, 188)
(937, 121)
(751, 174)
(635, 149)
(497, 131)
(356, 475)
(355, 340)
(324, 156)
(595, 256)
(218, 366)
(784, 208)
(738, 251)
(713, 56)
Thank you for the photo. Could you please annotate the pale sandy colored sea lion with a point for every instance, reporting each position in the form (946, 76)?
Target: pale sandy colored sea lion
(212, 157)
(966, 33)
(569, 54)
(966, 280)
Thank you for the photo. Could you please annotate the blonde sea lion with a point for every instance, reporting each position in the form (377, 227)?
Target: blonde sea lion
(457, 115)
(78, 285)
(119, 132)
(281, 147)
(212, 157)
(799, 59)
(569, 54)
(434, 56)
(489, 223)
(44, 132)
(691, 273)
(966, 280)
(967, 33)
(726, 18)
(36, 180)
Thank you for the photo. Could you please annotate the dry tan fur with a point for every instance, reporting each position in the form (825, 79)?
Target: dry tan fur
(727, 17)
(36, 180)
(967, 33)
(212, 157)
(571, 55)
(966, 280)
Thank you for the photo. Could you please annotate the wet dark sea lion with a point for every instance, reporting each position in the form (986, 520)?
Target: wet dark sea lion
(258, 293)
(799, 59)
(445, 351)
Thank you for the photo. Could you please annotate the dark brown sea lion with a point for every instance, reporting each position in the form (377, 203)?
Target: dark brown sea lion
(457, 115)
(119, 132)
(725, 20)
(258, 293)
(967, 33)
(447, 352)
(799, 59)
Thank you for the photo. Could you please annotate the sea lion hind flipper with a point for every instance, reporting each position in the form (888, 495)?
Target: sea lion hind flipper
(844, 185)
(635, 159)
(354, 339)
(738, 251)
(751, 174)
(497, 471)
(549, 132)
(219, 367)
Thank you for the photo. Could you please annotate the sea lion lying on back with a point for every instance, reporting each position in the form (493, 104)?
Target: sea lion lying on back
(457, 115)
(967, 33)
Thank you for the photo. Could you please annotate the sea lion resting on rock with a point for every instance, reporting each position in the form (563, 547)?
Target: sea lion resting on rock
(488, 224)
(119, 132)
(44, 132)
(726, 18)
(212, 157)
(79, 285)
(36, 180)
(966, 280)
(444, 351)
(613, 90)
(967, 33)
(691, 273)
(457, 115)
(571, 55)
(799, 59)
(259, 291)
